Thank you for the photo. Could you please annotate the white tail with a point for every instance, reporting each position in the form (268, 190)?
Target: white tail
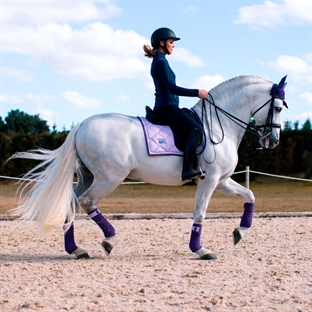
(51, 200)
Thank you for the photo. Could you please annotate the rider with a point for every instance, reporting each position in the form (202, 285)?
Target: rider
(167, 100)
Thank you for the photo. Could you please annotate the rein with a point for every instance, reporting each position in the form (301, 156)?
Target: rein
(247, 126)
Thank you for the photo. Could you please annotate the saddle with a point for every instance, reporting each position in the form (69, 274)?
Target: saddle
(179, 139)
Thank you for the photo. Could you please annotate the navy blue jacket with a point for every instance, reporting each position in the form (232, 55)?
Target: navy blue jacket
(165, 83)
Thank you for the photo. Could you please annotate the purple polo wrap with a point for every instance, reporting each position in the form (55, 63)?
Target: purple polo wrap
(246, 220)
(195, 237)
(106, 227)
(69, 240)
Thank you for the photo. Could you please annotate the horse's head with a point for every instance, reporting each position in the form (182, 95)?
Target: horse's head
(269, 132)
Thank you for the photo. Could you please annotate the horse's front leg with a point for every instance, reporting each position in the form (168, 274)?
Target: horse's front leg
(203, 195)
(230, 187)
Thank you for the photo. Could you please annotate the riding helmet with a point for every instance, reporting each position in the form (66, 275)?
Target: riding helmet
(162, 34)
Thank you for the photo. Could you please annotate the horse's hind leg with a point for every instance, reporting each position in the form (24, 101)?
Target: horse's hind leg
(70, 245)
(230, 187)
(101, 187)
(85, 179)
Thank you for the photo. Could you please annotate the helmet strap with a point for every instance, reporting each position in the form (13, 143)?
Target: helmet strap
(165, 47)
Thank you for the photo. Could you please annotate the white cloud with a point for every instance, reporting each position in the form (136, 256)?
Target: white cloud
(32, 99)
(307, 96)
(47, 114)
(303, 117)
(292, 65)
(11, 99)
(79, 100)
(34, 103)
(38, 99)
(18, 75)
(189, 9)
(207, 82)
(47, 11)
(308, 58)
(95, 52)
(269, 14)
(183, 55)
(123, 98)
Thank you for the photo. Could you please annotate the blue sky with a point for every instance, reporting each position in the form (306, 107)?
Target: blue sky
(68, 60)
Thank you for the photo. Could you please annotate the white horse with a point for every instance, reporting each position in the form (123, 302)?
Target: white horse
(106, 149)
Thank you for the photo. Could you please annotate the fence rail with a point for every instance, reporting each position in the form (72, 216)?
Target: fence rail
(247, 177)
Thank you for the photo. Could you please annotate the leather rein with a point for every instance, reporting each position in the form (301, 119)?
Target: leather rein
(266, 128)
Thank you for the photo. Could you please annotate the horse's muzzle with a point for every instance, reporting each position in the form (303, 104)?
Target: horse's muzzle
(269, 142)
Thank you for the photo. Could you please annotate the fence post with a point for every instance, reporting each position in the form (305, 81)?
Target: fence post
(247, 177)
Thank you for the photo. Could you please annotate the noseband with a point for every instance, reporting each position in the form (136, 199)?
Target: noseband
(269, 125)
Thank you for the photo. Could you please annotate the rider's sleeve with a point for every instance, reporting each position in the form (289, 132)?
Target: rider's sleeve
(168, 79)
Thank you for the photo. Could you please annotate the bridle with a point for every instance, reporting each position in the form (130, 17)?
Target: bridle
(265, 129)
(269, 125)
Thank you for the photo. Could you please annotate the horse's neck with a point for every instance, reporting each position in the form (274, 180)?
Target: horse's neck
(236, 97)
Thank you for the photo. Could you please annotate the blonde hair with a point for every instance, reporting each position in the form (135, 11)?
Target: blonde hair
(149, 51)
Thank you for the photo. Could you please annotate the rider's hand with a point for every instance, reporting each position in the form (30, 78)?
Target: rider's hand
(202, 94)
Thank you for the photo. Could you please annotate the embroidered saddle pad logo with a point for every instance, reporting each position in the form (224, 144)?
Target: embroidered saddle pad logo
(160, 140)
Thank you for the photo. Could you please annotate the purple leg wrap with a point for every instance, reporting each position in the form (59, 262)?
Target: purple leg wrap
(106, 227)
(246, 220)
(69, 240)
(195, 237)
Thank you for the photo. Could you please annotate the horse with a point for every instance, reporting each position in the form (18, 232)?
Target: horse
(105, 149)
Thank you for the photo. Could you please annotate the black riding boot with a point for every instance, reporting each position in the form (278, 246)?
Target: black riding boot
(189, 173)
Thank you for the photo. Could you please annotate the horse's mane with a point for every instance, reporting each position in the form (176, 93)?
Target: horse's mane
(239, 80)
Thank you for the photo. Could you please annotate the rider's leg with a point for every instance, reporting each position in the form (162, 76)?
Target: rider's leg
(188, 171)
(182, 122)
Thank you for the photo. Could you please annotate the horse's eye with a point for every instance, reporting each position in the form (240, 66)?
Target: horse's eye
(278, 109)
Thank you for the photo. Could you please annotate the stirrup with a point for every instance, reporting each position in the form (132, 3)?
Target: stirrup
(191, 174)
(190, 183)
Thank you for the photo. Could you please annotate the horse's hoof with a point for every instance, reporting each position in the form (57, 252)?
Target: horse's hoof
(209, 256)
(107, 244)
(238, 234)
(81, 254)
(206, 254)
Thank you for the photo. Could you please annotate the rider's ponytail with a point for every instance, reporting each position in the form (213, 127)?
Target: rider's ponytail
(149, 52)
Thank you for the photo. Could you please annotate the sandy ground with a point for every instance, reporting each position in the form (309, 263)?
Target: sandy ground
(152, 269)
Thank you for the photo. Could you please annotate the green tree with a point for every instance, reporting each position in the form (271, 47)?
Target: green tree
(17, 121)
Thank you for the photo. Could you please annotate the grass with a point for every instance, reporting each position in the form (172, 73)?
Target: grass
(272, 195)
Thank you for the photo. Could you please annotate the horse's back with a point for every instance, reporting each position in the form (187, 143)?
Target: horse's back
(103, 127)
(108, 122)
(108, 136)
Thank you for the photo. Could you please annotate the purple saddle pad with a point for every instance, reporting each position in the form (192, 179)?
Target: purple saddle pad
(160, 140)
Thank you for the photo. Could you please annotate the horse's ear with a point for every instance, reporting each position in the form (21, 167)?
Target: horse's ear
(282, 83)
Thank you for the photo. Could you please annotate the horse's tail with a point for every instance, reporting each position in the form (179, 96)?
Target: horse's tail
(51, 200)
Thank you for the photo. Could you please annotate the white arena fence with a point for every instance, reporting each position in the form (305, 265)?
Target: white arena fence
(247, 177)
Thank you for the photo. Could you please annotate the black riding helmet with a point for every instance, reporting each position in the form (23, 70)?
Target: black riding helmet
(162, 34)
